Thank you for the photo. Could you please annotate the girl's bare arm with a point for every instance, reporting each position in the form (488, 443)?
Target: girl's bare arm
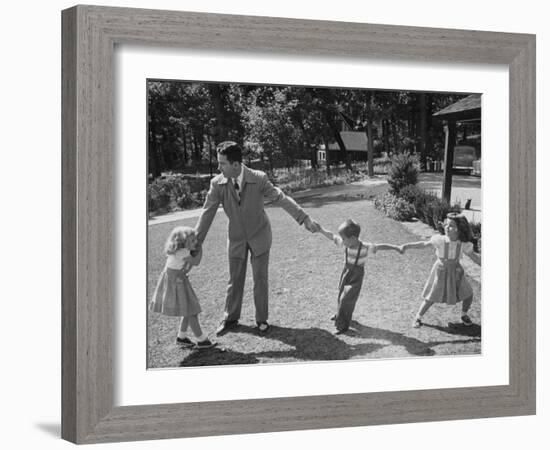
(419, 244)
(378, 247)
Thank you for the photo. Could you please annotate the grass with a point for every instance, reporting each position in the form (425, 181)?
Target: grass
(304, 274)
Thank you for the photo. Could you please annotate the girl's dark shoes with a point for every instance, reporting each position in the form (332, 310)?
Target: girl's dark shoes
(207, 343)
(185, 342)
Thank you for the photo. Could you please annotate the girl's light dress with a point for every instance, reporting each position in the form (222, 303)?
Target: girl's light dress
(174, 295)
(447, 282)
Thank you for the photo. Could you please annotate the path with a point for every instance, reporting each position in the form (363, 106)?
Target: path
(464, 187)
(354, 188)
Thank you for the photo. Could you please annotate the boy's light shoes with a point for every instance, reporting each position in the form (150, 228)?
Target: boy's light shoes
(185, 342)
(466, 321)
(207, 343)
(417, 323)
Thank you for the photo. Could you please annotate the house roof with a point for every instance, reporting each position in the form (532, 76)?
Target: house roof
(353, 140)
(465, 109)
(347, 120)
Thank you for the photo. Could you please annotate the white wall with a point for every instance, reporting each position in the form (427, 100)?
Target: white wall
(31, 237)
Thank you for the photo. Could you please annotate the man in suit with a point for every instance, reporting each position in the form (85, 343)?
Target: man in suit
(241, 192)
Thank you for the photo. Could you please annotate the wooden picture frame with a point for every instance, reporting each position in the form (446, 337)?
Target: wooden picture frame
(89, 37)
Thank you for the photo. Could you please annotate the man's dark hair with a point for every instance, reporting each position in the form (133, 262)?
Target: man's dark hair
(231, 150)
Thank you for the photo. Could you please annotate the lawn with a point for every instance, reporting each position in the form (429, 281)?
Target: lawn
(304, 274)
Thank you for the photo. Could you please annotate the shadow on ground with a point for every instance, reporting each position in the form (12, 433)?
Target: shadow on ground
(316, 344)
(217, 356)
(307, 344)
(458, 329)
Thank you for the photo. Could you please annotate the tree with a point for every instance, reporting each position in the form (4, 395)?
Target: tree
(269, 127)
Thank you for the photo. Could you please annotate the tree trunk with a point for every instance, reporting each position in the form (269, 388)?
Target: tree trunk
(327, 155)
(166, 156)
(370, 146)
(198, 142)
(210, 145)
(184, 150)
(154, 161)
(450, 137)
(423, 127)
(385, 136)
(429, 146)
(313, 158)
(220, 131)
(395, 134)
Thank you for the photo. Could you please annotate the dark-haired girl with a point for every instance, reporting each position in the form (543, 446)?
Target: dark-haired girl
(447, 282)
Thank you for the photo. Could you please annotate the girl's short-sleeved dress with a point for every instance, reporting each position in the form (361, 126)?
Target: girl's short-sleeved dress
(447, 282)
(174, 295)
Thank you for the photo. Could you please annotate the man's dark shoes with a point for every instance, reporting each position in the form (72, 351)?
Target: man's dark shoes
(263, 327)
(225, 326)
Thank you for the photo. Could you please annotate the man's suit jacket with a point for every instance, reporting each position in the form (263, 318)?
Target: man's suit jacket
(248, 221)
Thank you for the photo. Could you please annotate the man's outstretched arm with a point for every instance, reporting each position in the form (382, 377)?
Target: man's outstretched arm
(278, 197)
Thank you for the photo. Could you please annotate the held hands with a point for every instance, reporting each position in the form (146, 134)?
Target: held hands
(311, 225)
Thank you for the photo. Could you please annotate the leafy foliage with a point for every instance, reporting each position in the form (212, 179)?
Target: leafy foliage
(186, 120)
(429, 208)
(476, 232)
(172, 192)
(394, 207)
(403, 172)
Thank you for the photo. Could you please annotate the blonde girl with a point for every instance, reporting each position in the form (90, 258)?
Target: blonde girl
(173, 294)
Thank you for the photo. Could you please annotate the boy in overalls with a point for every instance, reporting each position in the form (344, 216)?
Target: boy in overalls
(352, 276)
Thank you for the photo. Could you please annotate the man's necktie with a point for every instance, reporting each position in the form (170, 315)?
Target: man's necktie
(236, 186)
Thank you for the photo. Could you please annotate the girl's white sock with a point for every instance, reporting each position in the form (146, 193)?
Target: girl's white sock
(202, 337)
(182, 334)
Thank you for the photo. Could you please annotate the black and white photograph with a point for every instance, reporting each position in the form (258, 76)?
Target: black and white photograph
(298, 224)
(260, 225)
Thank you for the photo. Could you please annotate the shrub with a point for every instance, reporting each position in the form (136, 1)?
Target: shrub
(402, 172)
(159, 196)
(394, 207)
(429, 208)
(172, 192)
(476, 232)
(290, 183)
(413, 194)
